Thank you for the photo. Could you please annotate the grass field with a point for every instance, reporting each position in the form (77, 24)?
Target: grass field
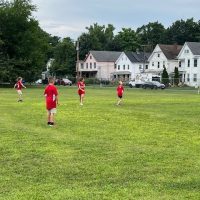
(148, 148)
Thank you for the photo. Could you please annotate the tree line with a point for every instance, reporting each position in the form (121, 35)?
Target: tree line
(25, 48)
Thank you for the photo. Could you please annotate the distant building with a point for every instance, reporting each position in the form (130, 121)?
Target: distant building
(163, 56)
(189, 63)
(99, 64)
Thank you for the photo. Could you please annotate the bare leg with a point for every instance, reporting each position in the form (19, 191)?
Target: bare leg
(52, 117)
(81, 99)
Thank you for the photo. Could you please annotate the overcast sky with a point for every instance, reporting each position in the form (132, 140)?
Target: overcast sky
(70, 17)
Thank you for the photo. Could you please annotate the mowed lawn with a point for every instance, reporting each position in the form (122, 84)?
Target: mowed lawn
(148, 148)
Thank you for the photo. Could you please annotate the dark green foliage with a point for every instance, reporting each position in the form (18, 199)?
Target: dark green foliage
(176, 76)
(165, 77)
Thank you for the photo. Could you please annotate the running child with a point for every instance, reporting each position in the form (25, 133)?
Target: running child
(19, 85)
(81, 90)
(120, 91)
(51, 95)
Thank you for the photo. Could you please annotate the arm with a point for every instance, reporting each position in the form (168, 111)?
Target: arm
(15, 85)
(57, 100)
(23, 85)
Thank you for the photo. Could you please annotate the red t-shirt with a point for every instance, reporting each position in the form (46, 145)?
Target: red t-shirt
(50, 93)
(120, 90)
(19, 85)
(82, 86)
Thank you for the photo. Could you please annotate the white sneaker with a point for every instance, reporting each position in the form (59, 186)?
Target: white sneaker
(81, 104)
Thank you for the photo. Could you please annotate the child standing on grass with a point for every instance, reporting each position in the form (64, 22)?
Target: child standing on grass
(120, 91)
(81, 90)
(51, 94)
(19, 85)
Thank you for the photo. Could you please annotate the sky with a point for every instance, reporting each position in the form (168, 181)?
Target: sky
(68, 18)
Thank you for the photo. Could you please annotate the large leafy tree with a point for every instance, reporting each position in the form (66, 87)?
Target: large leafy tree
(65, 58)
(182, 31)
(153, 33)
(126, 40)
(24, 45)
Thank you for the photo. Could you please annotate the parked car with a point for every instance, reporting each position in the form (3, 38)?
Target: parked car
(136, 84)
(39, 81)
(153, 85)
(159, 85)
(63, 81)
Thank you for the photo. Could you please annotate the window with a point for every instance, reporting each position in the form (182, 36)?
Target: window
(90, 65)
(82, 65)
(86, 65)
(158, 55)
(146, 66)
(188, 77)
(180, 63)
(140, 66)
(124, 67)
(163, 64)
(152, 64)
(158, 64)
(128, 67)
(90, 57)
(195, 62)
(95, 65)
(195, 77)
(189, 63)
(186, 51)
(115, 67)
(118, 67)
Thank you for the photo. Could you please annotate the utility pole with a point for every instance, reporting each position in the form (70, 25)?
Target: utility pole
(77, 59)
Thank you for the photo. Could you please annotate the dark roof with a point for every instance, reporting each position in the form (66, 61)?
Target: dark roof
(106, 56)
(194, 47)
(170, 51)
(136, 57)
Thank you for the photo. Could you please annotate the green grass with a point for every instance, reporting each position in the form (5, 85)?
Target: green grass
(148, 148)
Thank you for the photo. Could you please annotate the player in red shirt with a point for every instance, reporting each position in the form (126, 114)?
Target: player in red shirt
(120, 91)
(81, 90)
(51, 95)
(19, 85)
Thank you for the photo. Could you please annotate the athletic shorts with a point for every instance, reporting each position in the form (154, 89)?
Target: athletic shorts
(52, 111)
(19, 92)
(120, 96)
(80, 92)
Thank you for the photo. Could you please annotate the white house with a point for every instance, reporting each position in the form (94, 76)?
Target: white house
(99, 64)
(163, 56)
(131, 65)
(189, 63)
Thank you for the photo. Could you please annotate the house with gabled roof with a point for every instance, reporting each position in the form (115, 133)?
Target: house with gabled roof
(189, 63)
(130, 65)
(99, 64)
(164, 56)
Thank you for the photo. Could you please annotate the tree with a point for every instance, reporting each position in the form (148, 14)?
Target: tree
(24, 45)
(176, 76)
(165, 77)
(65, 58)
(152, 34)
(126, 40)
(182, 31)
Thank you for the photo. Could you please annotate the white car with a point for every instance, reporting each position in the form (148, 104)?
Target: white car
(158, 84)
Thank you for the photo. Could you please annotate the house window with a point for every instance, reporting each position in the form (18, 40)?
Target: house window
(128, 67)
(115, 67)
(195, 77)
(188, 77)
(163, 64)
(90, 57)
(82, 65)
(158, 55)
(158, 65)
(146, 66)
(118, 67)
(140, 66)
(179, 63)
(189, 63)
(124, 67)
(90, 65)
(195, 62)
(186, 51)
(95, 65)
(86, 65)
(152, 64)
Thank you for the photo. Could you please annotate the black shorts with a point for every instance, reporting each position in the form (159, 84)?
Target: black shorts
(120, 96)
